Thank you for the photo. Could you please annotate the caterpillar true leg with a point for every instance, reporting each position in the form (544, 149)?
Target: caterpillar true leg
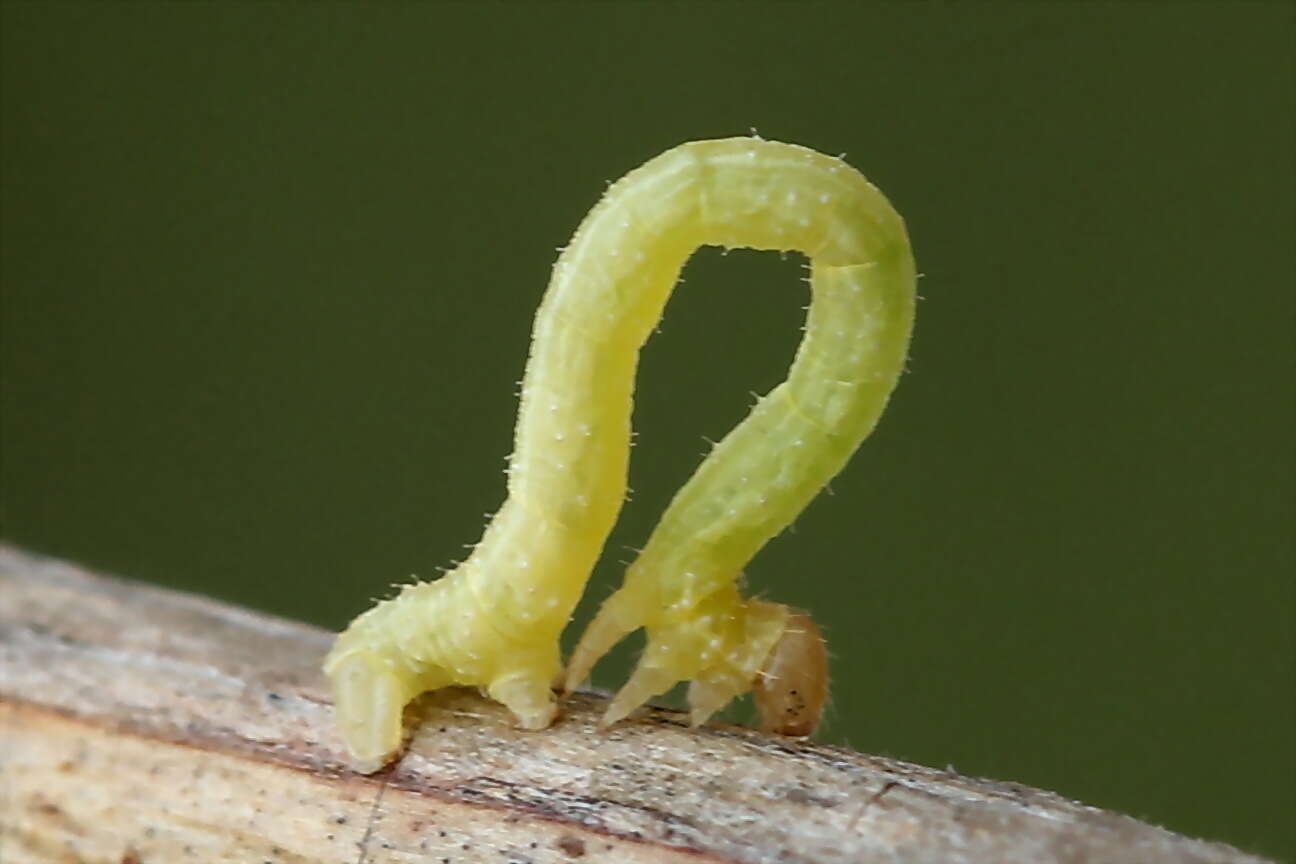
(494, 621)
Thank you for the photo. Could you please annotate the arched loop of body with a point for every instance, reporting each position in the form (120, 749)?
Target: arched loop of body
(571, 457)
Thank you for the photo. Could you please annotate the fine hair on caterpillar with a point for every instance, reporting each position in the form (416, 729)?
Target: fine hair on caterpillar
(494, 621)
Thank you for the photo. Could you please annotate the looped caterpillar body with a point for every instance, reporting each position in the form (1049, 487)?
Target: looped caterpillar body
(494, 621)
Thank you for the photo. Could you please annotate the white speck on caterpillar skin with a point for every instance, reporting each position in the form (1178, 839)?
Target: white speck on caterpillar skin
(494, 621)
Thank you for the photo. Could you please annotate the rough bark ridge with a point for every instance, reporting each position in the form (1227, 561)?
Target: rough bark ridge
(142, 725)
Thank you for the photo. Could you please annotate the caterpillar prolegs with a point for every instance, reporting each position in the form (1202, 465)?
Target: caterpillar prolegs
(494, 622)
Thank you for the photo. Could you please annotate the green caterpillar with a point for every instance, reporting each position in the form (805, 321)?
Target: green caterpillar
(494, 622)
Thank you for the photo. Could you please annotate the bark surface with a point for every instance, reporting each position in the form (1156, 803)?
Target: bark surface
(142, 725)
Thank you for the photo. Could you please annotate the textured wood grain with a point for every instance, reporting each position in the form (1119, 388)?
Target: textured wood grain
(141, 725)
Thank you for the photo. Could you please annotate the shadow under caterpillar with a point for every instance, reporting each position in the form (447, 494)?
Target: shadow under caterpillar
(494, 622)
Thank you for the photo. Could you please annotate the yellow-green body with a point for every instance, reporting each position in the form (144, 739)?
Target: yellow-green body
(494, 622)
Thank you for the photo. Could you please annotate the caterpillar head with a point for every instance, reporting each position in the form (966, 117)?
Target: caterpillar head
(792, 687)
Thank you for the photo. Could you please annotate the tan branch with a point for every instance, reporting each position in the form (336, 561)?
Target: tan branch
(142, 725)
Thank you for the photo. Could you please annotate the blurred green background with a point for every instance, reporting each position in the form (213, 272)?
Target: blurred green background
(269, 270)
